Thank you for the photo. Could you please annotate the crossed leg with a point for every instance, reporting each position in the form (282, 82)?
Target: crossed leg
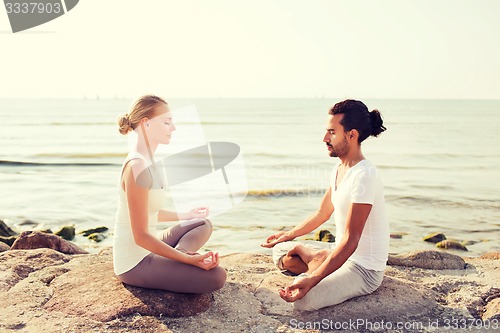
(302, 259)
(157, 272)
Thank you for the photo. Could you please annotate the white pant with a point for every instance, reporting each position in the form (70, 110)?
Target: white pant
(350, 280)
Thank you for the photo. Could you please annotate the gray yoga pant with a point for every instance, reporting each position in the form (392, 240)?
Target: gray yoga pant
(157, 272)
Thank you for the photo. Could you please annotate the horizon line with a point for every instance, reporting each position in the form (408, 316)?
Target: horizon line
(242, 98)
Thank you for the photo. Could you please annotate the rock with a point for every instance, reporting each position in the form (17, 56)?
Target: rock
(93, 230)
(451, 244)
(67, 232)
(5, 230)
(8, 240)
(492, 310)
(96, 237)
(487, 305)
(427, 260)
(46, 231)
(469, 242)
(435, 237)
(28, 222)
(17, 265)
(324, 236)
(491, 256)
(396, 236)
(36, 239)
(4, 247)
(102, 297)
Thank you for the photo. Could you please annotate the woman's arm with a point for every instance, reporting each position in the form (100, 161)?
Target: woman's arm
(137, 199)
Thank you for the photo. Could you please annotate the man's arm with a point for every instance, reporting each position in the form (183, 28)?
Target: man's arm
(317, 218)
(312, 222)
(356, 219)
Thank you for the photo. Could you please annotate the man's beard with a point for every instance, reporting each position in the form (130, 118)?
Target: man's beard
(340, 150)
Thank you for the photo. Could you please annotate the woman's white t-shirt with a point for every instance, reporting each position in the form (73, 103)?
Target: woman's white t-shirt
(362, 184)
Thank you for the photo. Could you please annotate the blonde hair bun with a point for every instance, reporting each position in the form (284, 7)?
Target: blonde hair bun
(124, 124)
(143, 107)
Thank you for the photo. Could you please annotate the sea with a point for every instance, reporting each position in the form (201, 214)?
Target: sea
(439, 161)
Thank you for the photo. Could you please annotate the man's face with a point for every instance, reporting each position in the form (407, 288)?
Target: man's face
(335, 137)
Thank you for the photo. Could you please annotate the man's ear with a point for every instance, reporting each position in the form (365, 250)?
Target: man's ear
(353, 134)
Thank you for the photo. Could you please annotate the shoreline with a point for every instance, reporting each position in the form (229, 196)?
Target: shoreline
(104, 236)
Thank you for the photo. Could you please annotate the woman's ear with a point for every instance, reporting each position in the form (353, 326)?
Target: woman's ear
(145, 121)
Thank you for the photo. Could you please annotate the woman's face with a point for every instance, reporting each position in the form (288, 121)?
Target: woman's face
(160, 127)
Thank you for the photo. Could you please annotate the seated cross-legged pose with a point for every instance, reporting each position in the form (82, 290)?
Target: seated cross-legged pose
(355, 266)
(140, 258)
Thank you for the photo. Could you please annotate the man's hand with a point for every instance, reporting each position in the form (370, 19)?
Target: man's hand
(297, 290)
(279, 237)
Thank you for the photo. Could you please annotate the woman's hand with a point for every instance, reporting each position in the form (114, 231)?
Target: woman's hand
(197, 213)
(205, 261)
(279, 237)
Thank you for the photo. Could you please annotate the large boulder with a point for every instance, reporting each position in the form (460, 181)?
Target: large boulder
(35, 239)
(92, 290)
(45, 290)
(427, 260)
(16, 265)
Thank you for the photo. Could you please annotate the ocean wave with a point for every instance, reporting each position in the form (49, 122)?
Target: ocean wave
(433, 187)
(81, 124)
(408, 167)
(37, 124)
(421, 201)
(37, 164)
(82, 155)
(302, 192)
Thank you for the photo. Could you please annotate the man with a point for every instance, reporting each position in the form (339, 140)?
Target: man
(355, 266)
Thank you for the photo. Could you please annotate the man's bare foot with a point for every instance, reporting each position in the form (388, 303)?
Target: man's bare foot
(318, 258)
(302, 259)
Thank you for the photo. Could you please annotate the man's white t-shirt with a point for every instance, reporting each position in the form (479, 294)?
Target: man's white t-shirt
(362, 184)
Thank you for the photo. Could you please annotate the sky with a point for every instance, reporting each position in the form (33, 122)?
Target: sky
(434, 49)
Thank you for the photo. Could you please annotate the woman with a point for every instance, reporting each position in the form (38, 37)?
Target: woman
(140, 259)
